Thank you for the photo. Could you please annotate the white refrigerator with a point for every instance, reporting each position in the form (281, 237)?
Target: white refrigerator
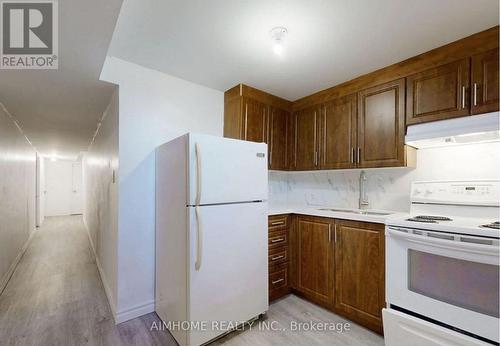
(211, 235)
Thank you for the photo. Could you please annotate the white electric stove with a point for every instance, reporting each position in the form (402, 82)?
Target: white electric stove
(442, 266)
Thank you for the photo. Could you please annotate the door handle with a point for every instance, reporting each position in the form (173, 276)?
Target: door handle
(352, 155)
(277, 258)
(463, 97)
(276, 223)
(199, 240)
(198, 173)
(246, 120)
(277, 240)
(277, 281)
(359, 155)
(475, 95)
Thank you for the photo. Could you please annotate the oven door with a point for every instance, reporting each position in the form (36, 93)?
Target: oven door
(451, 278)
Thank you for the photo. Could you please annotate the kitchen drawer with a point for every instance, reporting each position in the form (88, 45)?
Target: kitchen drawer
(278, 239)
(278, 256)
(277, 222)
(279, 278)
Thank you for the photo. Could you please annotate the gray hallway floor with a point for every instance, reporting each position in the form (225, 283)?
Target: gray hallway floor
(55, 297)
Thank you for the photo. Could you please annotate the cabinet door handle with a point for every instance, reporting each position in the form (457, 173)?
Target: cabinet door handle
(335, 233)
(277, 281)
(246, 120)
(277, 240)
(276, 223)
(359, 155)
(475, 94)
(352, 155)
(463, 97)
(277, 258)
(330, 233)
(315, 140)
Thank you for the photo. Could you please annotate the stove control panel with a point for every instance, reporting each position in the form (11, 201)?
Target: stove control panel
(477, 192)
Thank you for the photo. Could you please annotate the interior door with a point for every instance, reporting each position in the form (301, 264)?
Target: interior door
(306, 139)
(438, 93)
(58, 183)
(485, 82)
(338, 133)
(229, 170)
(278, 138)
(381, 125)
(232, 281)
(315, 259)
(76, 190)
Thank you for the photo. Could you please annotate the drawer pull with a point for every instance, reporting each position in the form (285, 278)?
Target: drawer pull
(277, 240)
(277, 258)
(277, 223)
(277, 281)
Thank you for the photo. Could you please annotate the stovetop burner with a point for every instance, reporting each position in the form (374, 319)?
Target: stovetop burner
(428, 218)
(494, 225)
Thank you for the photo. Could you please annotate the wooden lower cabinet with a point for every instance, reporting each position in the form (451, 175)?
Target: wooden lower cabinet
(360, 272)
(315, 259)
(278, 256)
(340, 265)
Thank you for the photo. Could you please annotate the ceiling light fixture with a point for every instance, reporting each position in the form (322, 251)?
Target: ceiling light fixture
(278, 35)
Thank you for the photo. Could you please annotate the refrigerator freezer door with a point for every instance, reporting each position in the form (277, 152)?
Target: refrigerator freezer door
(223, 170)
(231, 284)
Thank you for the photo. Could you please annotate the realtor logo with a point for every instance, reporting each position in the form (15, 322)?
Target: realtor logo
(29, 34)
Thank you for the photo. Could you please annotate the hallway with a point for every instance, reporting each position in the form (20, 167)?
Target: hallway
(55, 296)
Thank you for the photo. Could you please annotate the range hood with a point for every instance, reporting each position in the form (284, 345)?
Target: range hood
(458, 131)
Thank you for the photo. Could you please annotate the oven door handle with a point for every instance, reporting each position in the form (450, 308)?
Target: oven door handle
(490, 250)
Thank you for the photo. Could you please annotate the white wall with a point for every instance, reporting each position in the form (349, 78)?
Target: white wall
(154, 108)
(386, 188)
(100, 214)
(17, 194)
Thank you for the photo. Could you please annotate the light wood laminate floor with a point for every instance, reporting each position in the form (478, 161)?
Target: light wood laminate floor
(55, 297)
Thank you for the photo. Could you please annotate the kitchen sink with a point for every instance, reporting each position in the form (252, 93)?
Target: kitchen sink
(356, 211)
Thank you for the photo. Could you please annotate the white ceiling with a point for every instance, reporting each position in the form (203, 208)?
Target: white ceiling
(220, 43)
(59, 109)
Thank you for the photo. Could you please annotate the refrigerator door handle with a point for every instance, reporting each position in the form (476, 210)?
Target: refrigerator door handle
(198, 173)
(199, 239)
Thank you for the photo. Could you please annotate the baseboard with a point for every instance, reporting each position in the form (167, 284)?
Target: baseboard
(107, 289)
(6, 277)
(125, 315)
(135, 311)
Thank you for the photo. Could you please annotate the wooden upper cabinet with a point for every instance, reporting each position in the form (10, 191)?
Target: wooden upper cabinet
(306, 139)
(360, 271)
(438, 93)
(338, 133)
(484, 95)
(381, 126)
(278, 139)
(315, 258)
(254, 120)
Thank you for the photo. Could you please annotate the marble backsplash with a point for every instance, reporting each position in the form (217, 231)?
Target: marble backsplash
(387, 188)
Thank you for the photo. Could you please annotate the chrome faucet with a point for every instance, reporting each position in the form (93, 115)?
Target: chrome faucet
(363, 198)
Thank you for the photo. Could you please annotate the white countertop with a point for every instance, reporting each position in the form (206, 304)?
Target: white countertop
(315, 211)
